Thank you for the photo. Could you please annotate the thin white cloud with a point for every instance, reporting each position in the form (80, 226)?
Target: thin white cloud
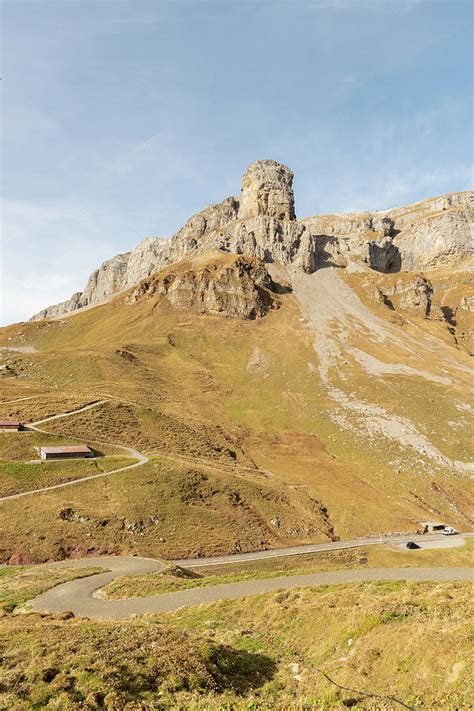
(399, 188)
(379, 189)
(382, 7)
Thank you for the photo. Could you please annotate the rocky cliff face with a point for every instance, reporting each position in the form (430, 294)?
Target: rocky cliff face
(262, 224)
(106, 280)
(415, 296)
(236, 287)
(145, 259)
(101, 285)
(267, 189)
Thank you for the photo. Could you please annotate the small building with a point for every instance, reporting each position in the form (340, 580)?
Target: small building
(9, 425)
(431, 526)
(76, 451)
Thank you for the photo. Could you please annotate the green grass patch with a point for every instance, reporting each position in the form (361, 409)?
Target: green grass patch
(16, 477)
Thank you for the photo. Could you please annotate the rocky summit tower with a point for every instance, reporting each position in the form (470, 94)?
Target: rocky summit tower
(267, 190)
(261, 223)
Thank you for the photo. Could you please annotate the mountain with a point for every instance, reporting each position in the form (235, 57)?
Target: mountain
(262, 223)
(289, 380)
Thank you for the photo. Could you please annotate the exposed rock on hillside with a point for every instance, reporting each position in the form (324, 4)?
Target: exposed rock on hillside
(384, 255)
(467, 303)
(58, 310)
(267, 190)
(106, 280)
(145, 259)
(197, 230)
(415, 296)
(419, 296)
(102, 284)
(437, 239)
(261, 223)
(236, 288)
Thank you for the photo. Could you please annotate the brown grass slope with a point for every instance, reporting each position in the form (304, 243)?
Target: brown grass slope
(238, 406)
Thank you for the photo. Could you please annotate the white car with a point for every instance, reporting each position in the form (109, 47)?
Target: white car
(449, 531)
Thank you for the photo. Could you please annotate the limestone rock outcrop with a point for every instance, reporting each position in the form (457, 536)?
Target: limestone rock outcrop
(203, 230)
(467, 303)
(264, 237)
(58, 310)
(384, 255)
(101, 285)
(418, 297)
(437, 239)
(106, 280)
(413, 295)
(267, 190)
(235, 287)
(261, 223)
(146, 258)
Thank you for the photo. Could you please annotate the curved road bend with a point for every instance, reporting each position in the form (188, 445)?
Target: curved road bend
(77, 595)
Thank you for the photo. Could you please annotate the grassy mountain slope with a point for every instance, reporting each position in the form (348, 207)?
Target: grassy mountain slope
(333, 415)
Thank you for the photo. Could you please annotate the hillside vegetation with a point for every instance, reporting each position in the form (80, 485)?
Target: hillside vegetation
(370, 646)
(256, 441)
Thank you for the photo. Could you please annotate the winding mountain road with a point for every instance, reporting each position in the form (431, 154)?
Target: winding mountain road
(78, 595)
(142, 458)
(130, 451)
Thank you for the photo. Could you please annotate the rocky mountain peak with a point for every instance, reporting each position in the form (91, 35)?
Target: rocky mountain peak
(267, 190)
(262, 224)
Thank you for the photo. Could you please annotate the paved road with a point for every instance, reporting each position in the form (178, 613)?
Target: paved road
(77, 595)
(312, 548)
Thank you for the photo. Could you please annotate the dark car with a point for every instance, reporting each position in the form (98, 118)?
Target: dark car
(412, 545)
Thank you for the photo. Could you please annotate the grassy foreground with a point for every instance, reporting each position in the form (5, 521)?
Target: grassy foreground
(366, 646)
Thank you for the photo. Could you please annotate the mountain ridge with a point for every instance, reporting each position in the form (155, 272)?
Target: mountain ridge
(261, 222)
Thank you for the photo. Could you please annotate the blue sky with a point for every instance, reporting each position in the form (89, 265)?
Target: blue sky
(121, 118)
